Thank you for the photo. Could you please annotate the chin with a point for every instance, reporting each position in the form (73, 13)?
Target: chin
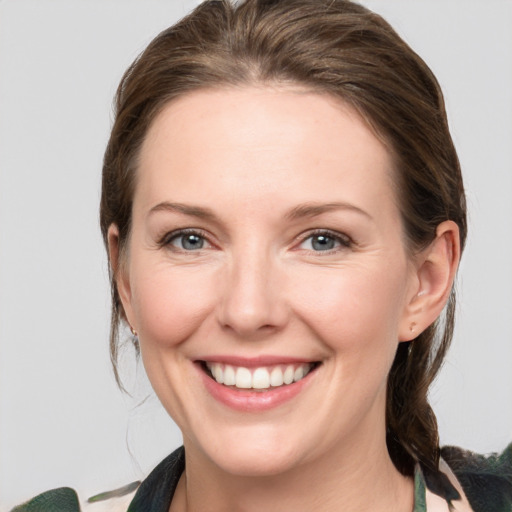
(255, 454)
(252, 463)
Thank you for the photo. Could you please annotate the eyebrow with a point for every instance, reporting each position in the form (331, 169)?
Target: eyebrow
(185, 209)
(298, 212)
(315, 209)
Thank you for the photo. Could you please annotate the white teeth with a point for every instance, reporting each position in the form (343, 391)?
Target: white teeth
(298, 374)
(229, 376)
(276, 377)
(258, 378)
(288, 375)
(219, 374)
(261, 379)
(243, 378)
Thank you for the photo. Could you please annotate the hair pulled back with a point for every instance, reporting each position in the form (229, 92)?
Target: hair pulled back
(330, 46)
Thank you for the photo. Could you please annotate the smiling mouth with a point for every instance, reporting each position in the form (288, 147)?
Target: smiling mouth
(260, 378)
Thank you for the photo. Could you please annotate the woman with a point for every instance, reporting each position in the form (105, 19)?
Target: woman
(284, 214)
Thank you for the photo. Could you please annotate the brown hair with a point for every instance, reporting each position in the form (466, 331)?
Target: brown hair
(342, 49)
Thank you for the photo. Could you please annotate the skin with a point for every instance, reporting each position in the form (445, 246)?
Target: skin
(259, 286)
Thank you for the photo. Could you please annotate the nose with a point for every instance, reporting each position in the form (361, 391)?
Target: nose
(253, 302)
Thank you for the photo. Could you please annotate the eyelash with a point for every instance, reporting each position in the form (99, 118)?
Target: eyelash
(343, 241)
(168, 238)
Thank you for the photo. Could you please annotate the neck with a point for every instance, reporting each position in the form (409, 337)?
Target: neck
(349, 479)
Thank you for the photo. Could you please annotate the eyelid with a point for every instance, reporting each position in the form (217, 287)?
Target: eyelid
(168, 237)
(344, 240)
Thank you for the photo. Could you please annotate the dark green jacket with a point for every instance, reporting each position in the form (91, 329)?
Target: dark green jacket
(486, 482)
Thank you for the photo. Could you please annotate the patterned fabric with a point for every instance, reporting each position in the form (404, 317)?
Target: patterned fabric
(156, 491)
(64, 499)
(486, 482)
(420, 494)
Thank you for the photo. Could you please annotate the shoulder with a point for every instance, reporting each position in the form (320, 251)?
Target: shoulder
(153, 494)
(65, 499)
(486, 480)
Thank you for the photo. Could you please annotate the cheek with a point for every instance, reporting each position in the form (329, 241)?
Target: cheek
(351, 308)
(170, 303)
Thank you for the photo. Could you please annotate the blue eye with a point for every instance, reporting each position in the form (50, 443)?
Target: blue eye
(324, 241)
(187, 241)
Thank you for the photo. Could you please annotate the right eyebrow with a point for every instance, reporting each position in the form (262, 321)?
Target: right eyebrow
(185, 209)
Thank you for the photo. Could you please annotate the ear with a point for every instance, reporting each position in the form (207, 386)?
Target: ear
(120, 274)
(435, 268)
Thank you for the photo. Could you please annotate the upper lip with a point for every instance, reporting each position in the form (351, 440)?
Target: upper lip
(254, 362)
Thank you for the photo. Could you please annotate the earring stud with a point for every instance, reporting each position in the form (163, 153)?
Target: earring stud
(134, 332)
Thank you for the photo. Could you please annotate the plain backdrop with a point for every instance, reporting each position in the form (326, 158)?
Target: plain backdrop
(62, 419)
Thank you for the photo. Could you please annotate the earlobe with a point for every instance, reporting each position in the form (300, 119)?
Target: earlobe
(436, 268)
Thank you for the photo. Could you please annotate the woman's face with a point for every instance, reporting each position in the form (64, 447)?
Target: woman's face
(267, 248)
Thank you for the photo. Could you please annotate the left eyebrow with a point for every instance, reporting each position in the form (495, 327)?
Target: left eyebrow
(315, 209)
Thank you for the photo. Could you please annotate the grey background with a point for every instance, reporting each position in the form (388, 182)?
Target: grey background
(62, 419)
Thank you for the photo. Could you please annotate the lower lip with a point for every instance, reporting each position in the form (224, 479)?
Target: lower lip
(253, 401)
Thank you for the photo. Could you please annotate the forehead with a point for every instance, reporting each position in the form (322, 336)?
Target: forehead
(261, 140)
